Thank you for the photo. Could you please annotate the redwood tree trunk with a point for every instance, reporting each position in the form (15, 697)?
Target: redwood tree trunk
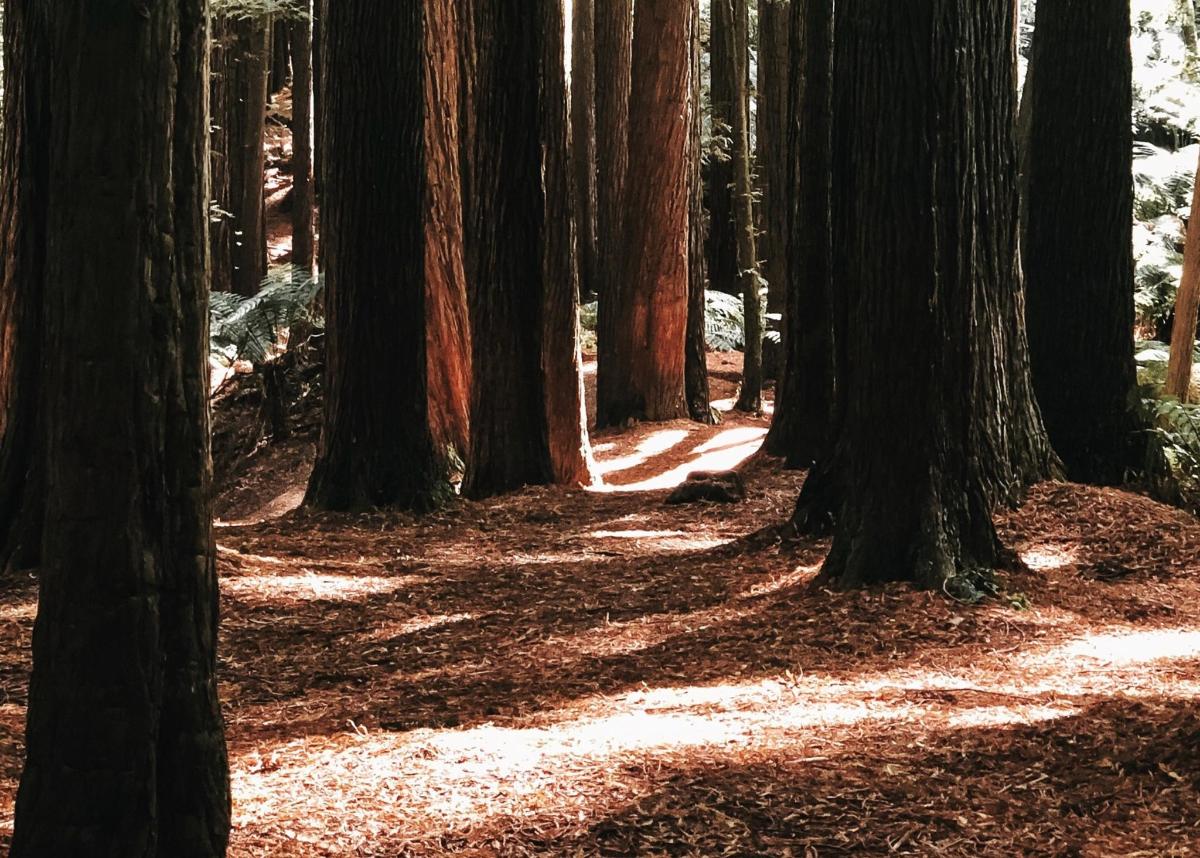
(1077, 248)
(377, 448)
(125, 744)
(302, 144)
(614, 45)
(653, 296)
(1187, 306)
(583, 138)
(925, 245)
(24, 182)
(773, 89)
(526, 420)
(722, 233)
(699, 398)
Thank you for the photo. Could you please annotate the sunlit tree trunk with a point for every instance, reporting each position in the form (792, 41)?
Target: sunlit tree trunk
(1187, 306)
(125, 743)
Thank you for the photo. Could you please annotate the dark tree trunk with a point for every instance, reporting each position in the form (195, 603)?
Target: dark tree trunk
(448, 332)
(302, 144)
(239, 244)
(376, 448)
(699, 399)
(648, 377)
(750, 398)
(318, 85)
(125, 743)
(1077, 248)
(804, 396)
(925, 246)
(520, 265)
(281, 54)
(24, 182)
(722, 233)
(773, 104)
(614, 46)
(583, 138)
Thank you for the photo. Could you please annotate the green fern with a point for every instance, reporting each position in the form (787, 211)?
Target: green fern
(249, 328)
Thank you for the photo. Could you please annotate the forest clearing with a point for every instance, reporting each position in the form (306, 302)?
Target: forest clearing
(599, 428)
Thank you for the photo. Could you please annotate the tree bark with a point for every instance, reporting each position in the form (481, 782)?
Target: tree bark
(302, 144)
(653, 295)
(281, 54)
(614, 46)
(722, 231)
(1187, 306)
(377, 448)
(925, 246)
(1077, 249)
(699, 398)
(24, 183)
(583, 138)
(800, 430)
(524, 428)
(239, 244)
(774, 29)
(750, 398)
(125, 743)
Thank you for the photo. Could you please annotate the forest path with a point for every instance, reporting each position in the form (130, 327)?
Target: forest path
(596, 673)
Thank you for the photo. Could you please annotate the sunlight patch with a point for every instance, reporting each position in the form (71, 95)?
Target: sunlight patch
(1047, 558)
(313, 587)
(1121, 648)
(389, 630)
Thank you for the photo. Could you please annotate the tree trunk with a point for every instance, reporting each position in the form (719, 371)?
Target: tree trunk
(125, 743)
(1077, 249)
(448, 331)
(302, 144)
(750, 398)
(614, 45)
(318, 86)
(1187, 306)
(239, 245)
(723, 87)
(583, 138)
(526, 422)
(925, 246)
(653, 295)
(377, 448)
(699, 398)
(800, 430)
(24, 181)
(773, 89)
(281, 54)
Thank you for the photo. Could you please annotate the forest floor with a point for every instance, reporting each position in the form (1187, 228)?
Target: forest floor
(587, 673)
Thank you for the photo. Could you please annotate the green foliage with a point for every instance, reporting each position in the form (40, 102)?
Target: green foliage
(250, 328)
(724, 323)
(243, 9)
(1172, 468)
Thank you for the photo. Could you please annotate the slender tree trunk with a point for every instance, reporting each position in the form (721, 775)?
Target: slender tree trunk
(583, 138)
(750, 398)
(699, 399)
(318, 85)
(774, 28)
(1187, 306)
(24, 183)
(524, 428)
(723, 88)
(125, 744)
(614, 46)
(1077, 249)
(302, 144)
(281, 54)
(377, 448)
(925, 245)
(804, 400)
(653, 297)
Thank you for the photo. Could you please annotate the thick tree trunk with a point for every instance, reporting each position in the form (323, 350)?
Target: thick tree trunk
(699, 399)
(614, 46)
(125, 744)
(302, 144)
(750, 397)
(925, 245)
(583, 138)
(1187, 306)
(774, 85)
(24, 182)
(800, 430)
(377, 448)
(1077, 249)
(448, 331)
(722, 232)
(653, 295)
(524, 428)
(238, 240)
